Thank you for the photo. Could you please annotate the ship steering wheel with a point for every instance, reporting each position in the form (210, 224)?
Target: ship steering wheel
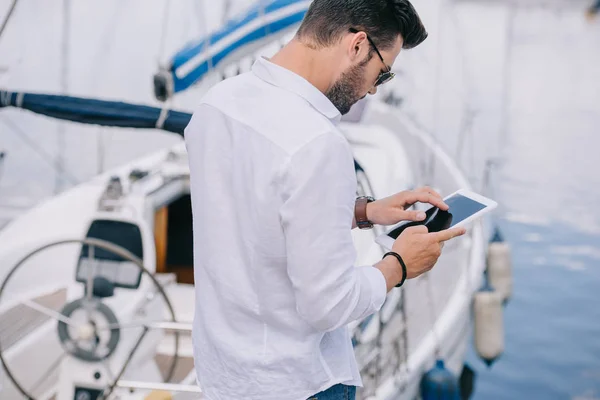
(95, 289)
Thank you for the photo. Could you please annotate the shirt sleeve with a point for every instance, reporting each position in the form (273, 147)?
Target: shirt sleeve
(319, 191)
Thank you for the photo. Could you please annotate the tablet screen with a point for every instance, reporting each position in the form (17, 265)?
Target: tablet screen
(462, 207)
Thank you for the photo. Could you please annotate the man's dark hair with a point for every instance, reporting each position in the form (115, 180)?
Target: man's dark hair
(383, 20)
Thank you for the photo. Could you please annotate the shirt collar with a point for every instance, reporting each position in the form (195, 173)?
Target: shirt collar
(288, 80)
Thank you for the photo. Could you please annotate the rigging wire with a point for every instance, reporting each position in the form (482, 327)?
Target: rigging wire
(164, 31)
(15, 129)
(465, 132)
(263, 18)
(226, 11)
(8, 15)
(165, 26)
(507, 77)
(2, 155)
(430, 158)
(430, 162)
(64, 84)
(207, 39)
(466, 129)
(463, 92)
(99, 64)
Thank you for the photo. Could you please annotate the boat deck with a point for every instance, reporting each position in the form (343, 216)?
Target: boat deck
(20, 320)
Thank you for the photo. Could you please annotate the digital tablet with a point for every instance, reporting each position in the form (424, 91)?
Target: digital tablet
(464, 207)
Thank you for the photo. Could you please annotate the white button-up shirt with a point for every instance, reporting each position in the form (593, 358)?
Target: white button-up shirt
(273, 188)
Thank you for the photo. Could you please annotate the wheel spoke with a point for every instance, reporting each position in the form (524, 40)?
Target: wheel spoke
(49, 312)
(89, 287)
(136, 324)
(168, 325)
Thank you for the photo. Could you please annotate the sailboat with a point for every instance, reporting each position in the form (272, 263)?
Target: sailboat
(96, 283)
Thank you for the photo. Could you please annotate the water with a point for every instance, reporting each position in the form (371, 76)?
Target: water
(553, 320)
(550, 189)
(524, 83)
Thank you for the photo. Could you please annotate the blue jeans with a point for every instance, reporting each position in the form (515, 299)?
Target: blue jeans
(337, 392)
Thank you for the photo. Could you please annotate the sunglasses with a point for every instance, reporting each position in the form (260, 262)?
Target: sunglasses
(384, 76)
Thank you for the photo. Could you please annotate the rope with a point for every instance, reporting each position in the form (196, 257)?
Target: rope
(5, 98)
(19, 100)
(164, 113)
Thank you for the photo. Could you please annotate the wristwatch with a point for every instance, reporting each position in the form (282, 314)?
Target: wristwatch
(360, 212)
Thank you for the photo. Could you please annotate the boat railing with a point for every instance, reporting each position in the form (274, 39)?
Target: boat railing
(169, 387)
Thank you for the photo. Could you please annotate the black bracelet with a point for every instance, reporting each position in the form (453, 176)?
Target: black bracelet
(401, 261)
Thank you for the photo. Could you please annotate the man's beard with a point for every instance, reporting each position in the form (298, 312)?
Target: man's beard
(346, 90)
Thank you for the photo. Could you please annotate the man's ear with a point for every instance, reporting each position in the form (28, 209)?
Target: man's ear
(358, 45)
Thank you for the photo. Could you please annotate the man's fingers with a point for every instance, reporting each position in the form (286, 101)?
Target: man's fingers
(417, 229)
(411, 215)
(427, 189)
(425, 197)
(448, 234)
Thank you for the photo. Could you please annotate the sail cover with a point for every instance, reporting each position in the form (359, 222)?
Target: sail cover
(264, 21)
(97, 112)
(101, 112)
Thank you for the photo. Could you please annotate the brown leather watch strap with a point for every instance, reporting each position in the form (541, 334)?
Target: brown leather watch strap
(360, 213)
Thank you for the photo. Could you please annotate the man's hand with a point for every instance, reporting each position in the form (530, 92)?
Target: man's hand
(419, 250)
(392, 209)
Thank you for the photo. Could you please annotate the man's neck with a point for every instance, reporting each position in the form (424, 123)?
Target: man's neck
(313, 65)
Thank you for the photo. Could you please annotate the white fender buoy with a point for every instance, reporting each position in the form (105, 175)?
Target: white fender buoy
(499, 266)
(489, 325)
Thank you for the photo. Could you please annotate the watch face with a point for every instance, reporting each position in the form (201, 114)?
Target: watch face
(369, 198)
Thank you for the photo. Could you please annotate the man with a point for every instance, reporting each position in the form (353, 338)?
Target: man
(273, 196)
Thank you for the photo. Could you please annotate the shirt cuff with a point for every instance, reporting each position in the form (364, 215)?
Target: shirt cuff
(378, 286)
